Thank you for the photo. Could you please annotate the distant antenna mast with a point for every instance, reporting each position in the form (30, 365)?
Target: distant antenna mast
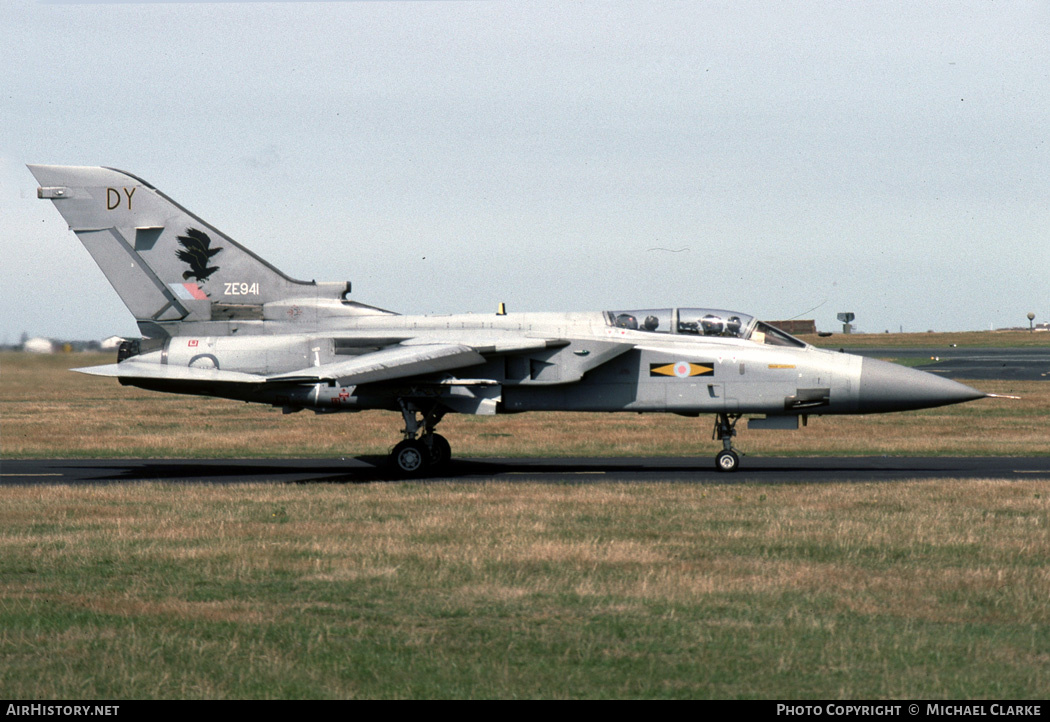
(846, 317)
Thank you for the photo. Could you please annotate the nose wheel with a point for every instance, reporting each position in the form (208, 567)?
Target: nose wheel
(725, 429)
(727, 460)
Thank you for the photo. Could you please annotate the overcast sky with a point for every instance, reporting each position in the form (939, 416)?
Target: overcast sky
(781, 159)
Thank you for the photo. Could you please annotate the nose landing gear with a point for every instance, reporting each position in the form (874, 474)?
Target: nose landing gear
(725, 429)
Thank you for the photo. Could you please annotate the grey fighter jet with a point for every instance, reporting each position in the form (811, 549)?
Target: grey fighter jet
(217, 320)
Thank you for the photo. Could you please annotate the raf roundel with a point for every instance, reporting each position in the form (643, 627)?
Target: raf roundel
(681, 369)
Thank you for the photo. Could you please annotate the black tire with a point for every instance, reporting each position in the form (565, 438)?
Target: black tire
(440, 450)
(727, 461)
(410, 458)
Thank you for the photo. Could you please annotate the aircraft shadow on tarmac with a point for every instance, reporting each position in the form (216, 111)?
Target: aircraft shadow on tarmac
(369, 469)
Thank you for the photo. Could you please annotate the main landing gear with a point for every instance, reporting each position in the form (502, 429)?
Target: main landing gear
(422, 451)
(725, 429)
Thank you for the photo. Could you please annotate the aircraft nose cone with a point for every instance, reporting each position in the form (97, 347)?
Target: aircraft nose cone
(889, 387)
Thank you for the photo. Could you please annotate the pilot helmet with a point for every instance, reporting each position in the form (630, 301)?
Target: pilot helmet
(712, 325)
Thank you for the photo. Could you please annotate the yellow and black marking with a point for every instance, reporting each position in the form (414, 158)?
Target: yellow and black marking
(681, 369)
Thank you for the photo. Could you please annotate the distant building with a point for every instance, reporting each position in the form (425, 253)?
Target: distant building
(797, 327)
(38, 345)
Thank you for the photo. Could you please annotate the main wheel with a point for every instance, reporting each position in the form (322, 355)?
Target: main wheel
(440, 450)
(410, 458)
(727, 460)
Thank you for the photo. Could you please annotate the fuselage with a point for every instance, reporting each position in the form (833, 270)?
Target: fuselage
(589, 364)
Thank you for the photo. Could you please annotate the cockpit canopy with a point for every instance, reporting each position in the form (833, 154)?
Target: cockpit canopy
(703, 322)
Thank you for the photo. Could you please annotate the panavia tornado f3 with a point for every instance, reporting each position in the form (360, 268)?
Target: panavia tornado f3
(217, 320)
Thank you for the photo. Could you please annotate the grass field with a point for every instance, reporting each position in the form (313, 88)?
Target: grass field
(911, 589)
(905, 590)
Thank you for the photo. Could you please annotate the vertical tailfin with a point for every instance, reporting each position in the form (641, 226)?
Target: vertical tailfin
(167, 264)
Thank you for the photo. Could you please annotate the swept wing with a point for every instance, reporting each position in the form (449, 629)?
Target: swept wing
(406, 360)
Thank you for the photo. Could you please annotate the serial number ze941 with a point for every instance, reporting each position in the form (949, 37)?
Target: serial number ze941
(241, 289)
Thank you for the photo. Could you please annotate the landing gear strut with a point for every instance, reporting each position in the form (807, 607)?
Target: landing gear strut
(725, 430)
(421, 451)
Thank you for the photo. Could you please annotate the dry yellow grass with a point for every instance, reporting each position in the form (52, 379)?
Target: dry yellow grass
(963, 339)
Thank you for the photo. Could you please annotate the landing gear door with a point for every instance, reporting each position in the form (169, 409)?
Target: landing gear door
(732, 404)
(720, 398)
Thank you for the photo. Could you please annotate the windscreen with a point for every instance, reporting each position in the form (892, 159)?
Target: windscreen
(773, 336)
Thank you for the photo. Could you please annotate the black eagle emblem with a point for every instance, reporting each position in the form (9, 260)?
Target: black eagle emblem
(197, 253)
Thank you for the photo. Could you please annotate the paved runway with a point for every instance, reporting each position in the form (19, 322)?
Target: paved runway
(1011, 364)
(699, 470)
